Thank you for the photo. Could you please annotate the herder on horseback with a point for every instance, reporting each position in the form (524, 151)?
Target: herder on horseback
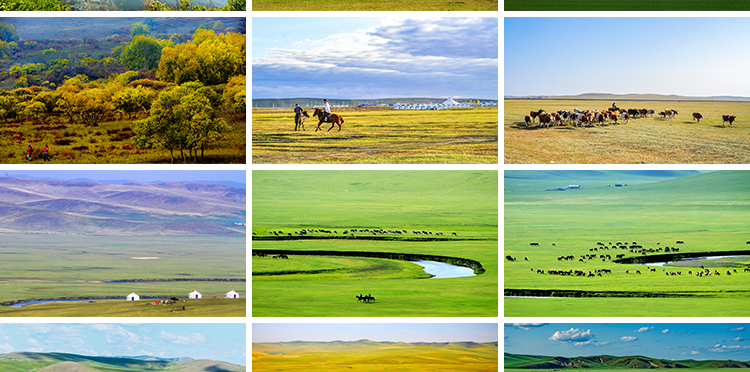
(325, 115)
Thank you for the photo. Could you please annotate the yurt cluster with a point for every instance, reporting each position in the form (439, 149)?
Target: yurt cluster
(192, 295)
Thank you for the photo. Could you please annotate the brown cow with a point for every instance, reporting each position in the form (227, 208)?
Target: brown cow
(697, 116)
(533, 115)
(728, 118)
(527, 120)
(545, 118)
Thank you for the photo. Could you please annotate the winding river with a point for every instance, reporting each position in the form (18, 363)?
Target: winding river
(700, 258)
(442, 270)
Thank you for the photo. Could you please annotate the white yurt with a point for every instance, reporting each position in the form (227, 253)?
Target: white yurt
(232, 294)
(194, 294)
(133, 297)
(450, 101)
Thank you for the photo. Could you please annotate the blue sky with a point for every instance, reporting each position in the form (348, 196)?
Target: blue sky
(375, 57)
(135, 176)
(622, 55)
(674, 341)
(221, 342)
(412, 332)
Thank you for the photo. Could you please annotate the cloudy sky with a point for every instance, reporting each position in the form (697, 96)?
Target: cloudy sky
(684, 56)
(221, 342)
(375, 57)
(395, 332)
(666, 341)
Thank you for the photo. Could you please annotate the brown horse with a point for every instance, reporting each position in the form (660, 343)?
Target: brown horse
(334, 119)
(299, 122)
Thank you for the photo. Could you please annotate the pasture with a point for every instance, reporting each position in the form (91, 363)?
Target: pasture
(390, 5)
(641, 141)
(707, 211)
(457, 136)
(462, 202)
(205, 307)
(59, 266)
(632, 5)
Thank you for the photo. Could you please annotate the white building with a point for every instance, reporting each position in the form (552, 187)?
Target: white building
(194, 294)
(232, 294)
(133, 297)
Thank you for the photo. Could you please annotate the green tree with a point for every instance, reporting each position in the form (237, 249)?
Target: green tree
(234, 96)
(143, 52)
(182, 118)
(139, 29)
(133, 100)
(8, 32)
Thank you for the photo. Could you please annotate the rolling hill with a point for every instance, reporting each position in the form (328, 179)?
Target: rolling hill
(48, 206)
(519, 361)
(62, 362)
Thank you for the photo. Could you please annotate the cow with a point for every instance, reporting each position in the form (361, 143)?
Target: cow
(533, 115)
(527, 120)
(697, 116)
(545, 119)
(662, 114)
(671, 113)
(625, 116)
(728, 118)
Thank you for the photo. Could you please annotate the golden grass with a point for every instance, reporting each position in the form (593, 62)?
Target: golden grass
(645, 140)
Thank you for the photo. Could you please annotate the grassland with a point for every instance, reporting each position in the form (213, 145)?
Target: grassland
(365, 355)
(63, 362)
(336, 5)
(460, 136)
(55, 267)
(644, 140)
(204, 307)
(706, 211)
(448, 201)
(634, 5)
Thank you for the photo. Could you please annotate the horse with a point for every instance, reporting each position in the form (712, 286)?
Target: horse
(299, 121)
(335, 119)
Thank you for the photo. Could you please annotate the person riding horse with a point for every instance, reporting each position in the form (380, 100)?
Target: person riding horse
(299, 117)
(326, 109)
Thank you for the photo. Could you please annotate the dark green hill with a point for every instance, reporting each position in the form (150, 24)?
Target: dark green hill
(519, 361)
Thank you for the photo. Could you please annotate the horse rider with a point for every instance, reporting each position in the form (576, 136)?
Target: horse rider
(326, 109)
(297, 113)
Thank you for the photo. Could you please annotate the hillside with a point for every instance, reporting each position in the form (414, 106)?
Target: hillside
(555, 178)
(518, 361)
(44, 206)
(61, 362)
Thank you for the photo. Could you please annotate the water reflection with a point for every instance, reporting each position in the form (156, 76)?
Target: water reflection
(442, 270)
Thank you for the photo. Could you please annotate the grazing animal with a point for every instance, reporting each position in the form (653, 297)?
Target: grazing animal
(728, 119)
(527, 120)
(335, 119)
(697, 116)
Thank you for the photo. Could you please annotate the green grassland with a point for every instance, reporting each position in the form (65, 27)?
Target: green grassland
(644, 140)
(450, 201)
(707, 211)
(63, 362)
(459, 136)
(367, 355)
(337, 5)
(204, 307)
(56, 267)
(633, 5)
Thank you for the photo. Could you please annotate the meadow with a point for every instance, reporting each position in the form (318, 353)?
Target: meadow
(463, 202)
(640, 141)
(365, 355)
(337, 5)
(204, 307)
(457, 136)
(707, 211)
(57, 267)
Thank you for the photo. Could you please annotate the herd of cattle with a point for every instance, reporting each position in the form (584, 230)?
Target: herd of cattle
(634, 248)
(609, 116)
(352, 232)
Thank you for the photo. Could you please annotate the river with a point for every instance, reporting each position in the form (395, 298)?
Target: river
(701, 258)
(442, 270)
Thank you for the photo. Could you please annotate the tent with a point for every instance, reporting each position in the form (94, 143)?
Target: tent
(232, 294)
(133, 297)
(194, 294)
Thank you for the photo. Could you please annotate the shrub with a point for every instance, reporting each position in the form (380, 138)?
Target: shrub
(63, 142)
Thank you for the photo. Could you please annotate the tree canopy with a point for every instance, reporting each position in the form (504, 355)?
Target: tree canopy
(8, 32)
(143, 52)
(209, 58)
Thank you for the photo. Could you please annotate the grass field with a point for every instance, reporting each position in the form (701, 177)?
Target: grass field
(55, 267)
(707, 211)
(644, 140)
(368, 356)
(432, 5)
(460, 136)
(634, 5)
(462, 202)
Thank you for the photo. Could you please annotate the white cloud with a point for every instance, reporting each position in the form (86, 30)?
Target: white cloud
(191, 339)
(528, 326)
(628, 338)
(33, 342)
(573, 334)
(6, 348)
(643, 329)
(737, 329)
(738, 339)
(695, 352)
(665, 331)
(727, 348)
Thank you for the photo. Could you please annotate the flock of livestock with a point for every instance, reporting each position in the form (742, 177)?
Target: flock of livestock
(609, 116)
(633, 248)
(352, 232)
